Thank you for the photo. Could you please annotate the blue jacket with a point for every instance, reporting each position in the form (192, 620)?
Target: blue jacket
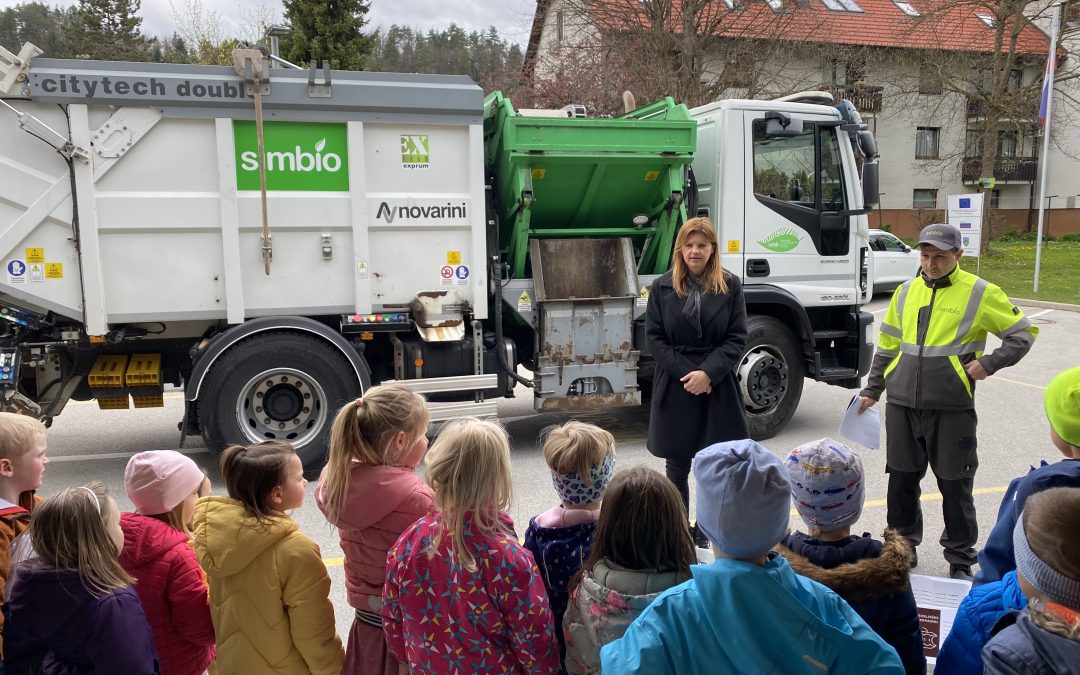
(737, 617)
(997, 556)
(1026, 649)
(974, 623)
(875, 580)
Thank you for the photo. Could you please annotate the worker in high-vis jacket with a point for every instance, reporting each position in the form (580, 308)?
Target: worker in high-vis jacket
(931, 352)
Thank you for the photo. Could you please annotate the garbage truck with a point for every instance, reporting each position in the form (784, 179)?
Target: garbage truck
(275, 241)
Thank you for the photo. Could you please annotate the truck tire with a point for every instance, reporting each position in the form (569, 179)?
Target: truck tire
(770, 376)
(277, 386)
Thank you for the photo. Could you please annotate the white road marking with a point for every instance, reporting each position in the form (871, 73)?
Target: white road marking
(1045, 311)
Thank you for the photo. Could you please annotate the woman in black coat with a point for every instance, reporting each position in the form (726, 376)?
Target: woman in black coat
(696, 330)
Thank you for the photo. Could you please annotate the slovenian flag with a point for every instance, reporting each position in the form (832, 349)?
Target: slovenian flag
(1047, 88)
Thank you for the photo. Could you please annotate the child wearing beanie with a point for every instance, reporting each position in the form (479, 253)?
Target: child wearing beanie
(1062, 404)
(164, 485)
(747, 612)
(827, 488)
(1044, 638)
(581, 458)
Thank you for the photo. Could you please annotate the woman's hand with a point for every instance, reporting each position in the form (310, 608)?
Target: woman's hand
(697, 382)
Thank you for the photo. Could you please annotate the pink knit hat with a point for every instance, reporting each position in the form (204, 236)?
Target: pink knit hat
(157, 480)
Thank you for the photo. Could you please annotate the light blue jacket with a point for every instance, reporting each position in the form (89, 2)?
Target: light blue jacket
(736, 617)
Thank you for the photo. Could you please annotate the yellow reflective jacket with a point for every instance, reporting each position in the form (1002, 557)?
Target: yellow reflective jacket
(934, 327)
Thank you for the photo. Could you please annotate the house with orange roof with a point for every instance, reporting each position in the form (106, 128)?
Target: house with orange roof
(917, 70)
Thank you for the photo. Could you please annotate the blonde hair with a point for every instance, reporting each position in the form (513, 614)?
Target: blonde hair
(174, 518)
(363, 430)
(576, 447)
(712, 279)
(17, 433)
(469, 468)
(68, 532)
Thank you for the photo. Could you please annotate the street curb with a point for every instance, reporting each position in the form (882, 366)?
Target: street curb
(1046, 304)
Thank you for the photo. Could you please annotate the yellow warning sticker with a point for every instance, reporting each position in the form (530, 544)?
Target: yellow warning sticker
(643, 297)
(453, 257)
(652, 175)
(54, 270)
(732, 245)
(538, 174)
(524, 302)
(35, 255)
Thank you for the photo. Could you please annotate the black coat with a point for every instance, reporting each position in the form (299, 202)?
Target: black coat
(682, 423)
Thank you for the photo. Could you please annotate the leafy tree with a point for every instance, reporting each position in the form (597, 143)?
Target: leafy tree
(330, 30)
(37, 23)
(109, 29)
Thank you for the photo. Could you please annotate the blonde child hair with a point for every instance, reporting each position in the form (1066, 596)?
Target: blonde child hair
(364, 431)
(17, 434)
(68, 531)
(468, 466)
(577, 448)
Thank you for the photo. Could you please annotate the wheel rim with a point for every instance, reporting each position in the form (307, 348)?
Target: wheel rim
(281, 404)
(763, 379)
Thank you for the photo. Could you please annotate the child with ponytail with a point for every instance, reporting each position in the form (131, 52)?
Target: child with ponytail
(370, 491)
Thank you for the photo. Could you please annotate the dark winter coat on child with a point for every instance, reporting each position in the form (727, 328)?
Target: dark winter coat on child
(682, 423)
(978, 613)
(603, 606)
(559, 553)
(997, 557)
(173, 593)
(1027, 649)
(873, 578)
(55, 622)
(14, 520)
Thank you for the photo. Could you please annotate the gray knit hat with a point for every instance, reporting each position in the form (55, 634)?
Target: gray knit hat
(743, 497)
(826, 484)
(1054, 586)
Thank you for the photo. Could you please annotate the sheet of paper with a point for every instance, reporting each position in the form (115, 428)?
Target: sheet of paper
(864, 429)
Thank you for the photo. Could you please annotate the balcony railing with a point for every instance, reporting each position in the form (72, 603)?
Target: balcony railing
(1006, 169)
(976, 109)
(867, 100)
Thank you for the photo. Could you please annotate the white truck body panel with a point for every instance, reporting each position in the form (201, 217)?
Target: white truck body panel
(167, 232)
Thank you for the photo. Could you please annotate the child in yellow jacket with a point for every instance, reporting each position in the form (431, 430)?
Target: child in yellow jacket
(269, 590)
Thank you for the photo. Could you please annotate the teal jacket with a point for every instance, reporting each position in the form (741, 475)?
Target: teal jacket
(736, 617)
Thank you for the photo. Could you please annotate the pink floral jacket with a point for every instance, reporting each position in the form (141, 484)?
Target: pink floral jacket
(443, 618)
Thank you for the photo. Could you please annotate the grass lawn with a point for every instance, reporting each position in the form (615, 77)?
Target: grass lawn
(1011, 265)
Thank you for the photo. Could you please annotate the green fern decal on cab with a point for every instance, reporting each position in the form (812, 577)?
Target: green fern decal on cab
(781, 241)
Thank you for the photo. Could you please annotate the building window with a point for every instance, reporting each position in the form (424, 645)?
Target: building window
(988, 20)
(926, 142)
(1016, 78)
(842, 5)
(929, 81)
(924, 199)
(558, 27)
(847, 74)
(1007, 144)
(973, 143)
(995, 199)
(907, 8)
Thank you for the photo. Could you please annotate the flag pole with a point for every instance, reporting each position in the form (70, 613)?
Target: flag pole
(1048, 97)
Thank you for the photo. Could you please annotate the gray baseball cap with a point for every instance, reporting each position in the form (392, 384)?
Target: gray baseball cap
(941, 236)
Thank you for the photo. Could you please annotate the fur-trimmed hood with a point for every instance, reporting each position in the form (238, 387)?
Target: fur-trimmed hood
(865, 579)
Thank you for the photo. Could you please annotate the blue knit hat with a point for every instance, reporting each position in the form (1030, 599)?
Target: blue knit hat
(826, 484)
(743, 497)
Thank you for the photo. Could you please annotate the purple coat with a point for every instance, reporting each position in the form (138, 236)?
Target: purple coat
(53, 620)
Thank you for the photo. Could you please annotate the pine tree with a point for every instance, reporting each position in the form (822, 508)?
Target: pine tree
(109, 29)
(329, 30)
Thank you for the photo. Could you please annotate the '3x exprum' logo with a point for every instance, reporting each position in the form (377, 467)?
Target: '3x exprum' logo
(310, 156)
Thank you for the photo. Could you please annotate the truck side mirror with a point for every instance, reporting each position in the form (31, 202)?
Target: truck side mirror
(870, 182)
(868, 144)
(781, 124)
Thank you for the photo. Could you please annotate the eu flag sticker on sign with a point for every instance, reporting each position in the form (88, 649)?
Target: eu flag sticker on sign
(965, 202)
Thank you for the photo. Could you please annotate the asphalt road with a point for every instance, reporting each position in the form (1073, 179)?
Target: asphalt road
(89, 444)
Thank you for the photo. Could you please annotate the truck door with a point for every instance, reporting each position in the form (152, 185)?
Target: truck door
(797, 223)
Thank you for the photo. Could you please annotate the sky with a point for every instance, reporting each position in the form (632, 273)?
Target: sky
(512, 18)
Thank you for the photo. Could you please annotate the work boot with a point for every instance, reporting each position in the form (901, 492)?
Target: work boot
(961, 572)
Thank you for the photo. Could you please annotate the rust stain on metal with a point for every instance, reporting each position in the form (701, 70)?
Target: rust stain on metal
(591, 402)
(431, 294)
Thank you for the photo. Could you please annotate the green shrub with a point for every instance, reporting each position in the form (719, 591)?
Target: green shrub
(1072, 236)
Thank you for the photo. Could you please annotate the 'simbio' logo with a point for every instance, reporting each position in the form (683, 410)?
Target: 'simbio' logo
(299, 156)
(297, 160)
(391, 212)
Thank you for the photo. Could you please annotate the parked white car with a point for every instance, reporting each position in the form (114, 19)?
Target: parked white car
(894, 261)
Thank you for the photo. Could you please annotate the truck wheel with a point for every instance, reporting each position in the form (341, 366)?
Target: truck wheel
(770, 376)
(277, 386)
